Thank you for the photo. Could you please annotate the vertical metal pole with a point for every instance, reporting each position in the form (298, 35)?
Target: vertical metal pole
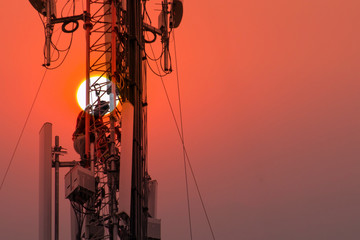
(113, 78)
(92, 158)
(137, 216)
(57, 164)
(87, 116)
(145, 175)
(88, 27)
(112, 119)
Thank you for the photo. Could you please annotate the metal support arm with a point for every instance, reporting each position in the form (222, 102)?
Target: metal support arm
(68, 19)
(152, 29)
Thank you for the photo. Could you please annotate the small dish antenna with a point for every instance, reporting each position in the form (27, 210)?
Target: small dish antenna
(176, 13)
(40, 6)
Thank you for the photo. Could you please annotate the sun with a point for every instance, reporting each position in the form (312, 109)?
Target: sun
(102, 85)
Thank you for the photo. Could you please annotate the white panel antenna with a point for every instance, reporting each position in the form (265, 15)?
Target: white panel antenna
(152, 198)
(126, 158)
(45, 169)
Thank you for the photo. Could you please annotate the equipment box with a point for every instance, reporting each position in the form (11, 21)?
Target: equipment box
(79, 184)
(154, 229)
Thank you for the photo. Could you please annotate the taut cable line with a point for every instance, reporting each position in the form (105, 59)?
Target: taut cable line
(22, 131)
(26, 121)
(184, 148)
(182, 134)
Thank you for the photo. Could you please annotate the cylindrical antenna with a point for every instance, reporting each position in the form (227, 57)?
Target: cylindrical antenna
(166, 36)
(48, 32)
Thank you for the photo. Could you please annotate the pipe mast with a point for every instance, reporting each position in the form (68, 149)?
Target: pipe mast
(138, 219)
(88, 27)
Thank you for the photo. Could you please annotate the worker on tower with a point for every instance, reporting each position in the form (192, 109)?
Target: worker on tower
(102, 142)
(96, 125)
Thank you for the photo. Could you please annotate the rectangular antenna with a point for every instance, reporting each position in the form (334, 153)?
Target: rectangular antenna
(126, 157)
(152, 198)
(45, 168)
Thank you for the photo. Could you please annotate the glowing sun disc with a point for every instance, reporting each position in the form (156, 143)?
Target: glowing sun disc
(81, 92)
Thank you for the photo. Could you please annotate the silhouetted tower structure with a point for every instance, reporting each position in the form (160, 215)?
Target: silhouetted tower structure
(110, 188)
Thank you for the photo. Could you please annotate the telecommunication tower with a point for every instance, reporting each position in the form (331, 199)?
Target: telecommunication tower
(110, 189)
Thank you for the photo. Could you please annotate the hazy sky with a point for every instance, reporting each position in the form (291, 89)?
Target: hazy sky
(271, 97)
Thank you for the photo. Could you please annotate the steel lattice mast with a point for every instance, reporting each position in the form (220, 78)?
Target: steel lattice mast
(109, 189)
(116, 52)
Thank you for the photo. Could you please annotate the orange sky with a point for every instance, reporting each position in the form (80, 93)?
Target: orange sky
(270, 96)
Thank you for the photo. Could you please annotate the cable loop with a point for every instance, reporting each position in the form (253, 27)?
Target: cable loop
(152, 40)
(71, 30)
